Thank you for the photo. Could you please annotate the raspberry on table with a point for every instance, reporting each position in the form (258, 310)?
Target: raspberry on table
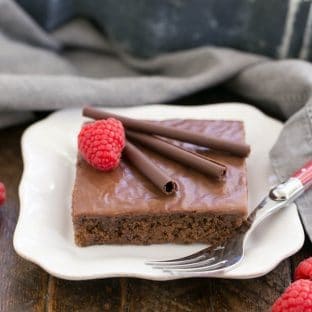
(101, 142)
(2, 193)
(296, 298)
(304, 269)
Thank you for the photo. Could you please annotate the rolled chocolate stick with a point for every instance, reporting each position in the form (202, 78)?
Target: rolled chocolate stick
(234, 148)
(193, 160)
(149, 170)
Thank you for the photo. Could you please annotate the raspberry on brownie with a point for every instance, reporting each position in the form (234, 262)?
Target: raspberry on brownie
(101, 143)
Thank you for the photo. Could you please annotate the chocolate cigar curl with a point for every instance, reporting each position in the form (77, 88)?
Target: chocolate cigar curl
(149, 170)
(193, 160)
(234, 148)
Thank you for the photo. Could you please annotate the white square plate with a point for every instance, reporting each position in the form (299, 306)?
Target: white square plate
(44, 232)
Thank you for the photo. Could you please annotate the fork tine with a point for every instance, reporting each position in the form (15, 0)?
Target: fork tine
(221, 266)
(178, 261)
(202, 255)
(194, 264)
(208, 260)
(217, 266)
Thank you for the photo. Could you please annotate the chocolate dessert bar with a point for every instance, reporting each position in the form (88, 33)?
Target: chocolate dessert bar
(123, 207)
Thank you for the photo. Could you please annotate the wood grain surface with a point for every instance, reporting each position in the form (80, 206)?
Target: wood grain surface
(26, 287)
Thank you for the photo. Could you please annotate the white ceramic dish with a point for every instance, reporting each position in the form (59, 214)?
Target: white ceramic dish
(44, 232)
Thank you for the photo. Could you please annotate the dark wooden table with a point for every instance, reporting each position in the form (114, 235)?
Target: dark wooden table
(26, 287)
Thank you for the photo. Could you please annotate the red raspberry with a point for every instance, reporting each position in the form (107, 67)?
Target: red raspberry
(2, 193)
(101, 143)
(296, 298)
(304, 269)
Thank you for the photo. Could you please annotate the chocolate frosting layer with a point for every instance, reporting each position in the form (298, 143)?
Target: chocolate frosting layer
(125, 191)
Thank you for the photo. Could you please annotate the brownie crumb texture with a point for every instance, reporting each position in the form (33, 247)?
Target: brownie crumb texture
(156, 229)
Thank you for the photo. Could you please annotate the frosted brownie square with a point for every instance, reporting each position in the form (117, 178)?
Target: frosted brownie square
(123, 207)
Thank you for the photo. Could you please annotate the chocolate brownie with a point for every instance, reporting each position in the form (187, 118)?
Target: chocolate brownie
(123, 207)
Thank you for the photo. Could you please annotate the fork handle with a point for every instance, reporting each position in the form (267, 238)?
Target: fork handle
(285, 193)
(304, 175)
(297, 184)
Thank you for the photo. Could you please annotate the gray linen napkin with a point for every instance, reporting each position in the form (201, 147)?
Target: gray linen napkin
(76, 65)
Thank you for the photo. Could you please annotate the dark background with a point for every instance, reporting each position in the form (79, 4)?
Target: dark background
(146, 28)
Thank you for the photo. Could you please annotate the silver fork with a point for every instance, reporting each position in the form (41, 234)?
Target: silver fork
(223, 258)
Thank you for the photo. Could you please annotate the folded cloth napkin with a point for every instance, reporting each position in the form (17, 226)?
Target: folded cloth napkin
(76, 65)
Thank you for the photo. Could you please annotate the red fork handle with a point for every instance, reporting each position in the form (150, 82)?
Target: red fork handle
(304, 174)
